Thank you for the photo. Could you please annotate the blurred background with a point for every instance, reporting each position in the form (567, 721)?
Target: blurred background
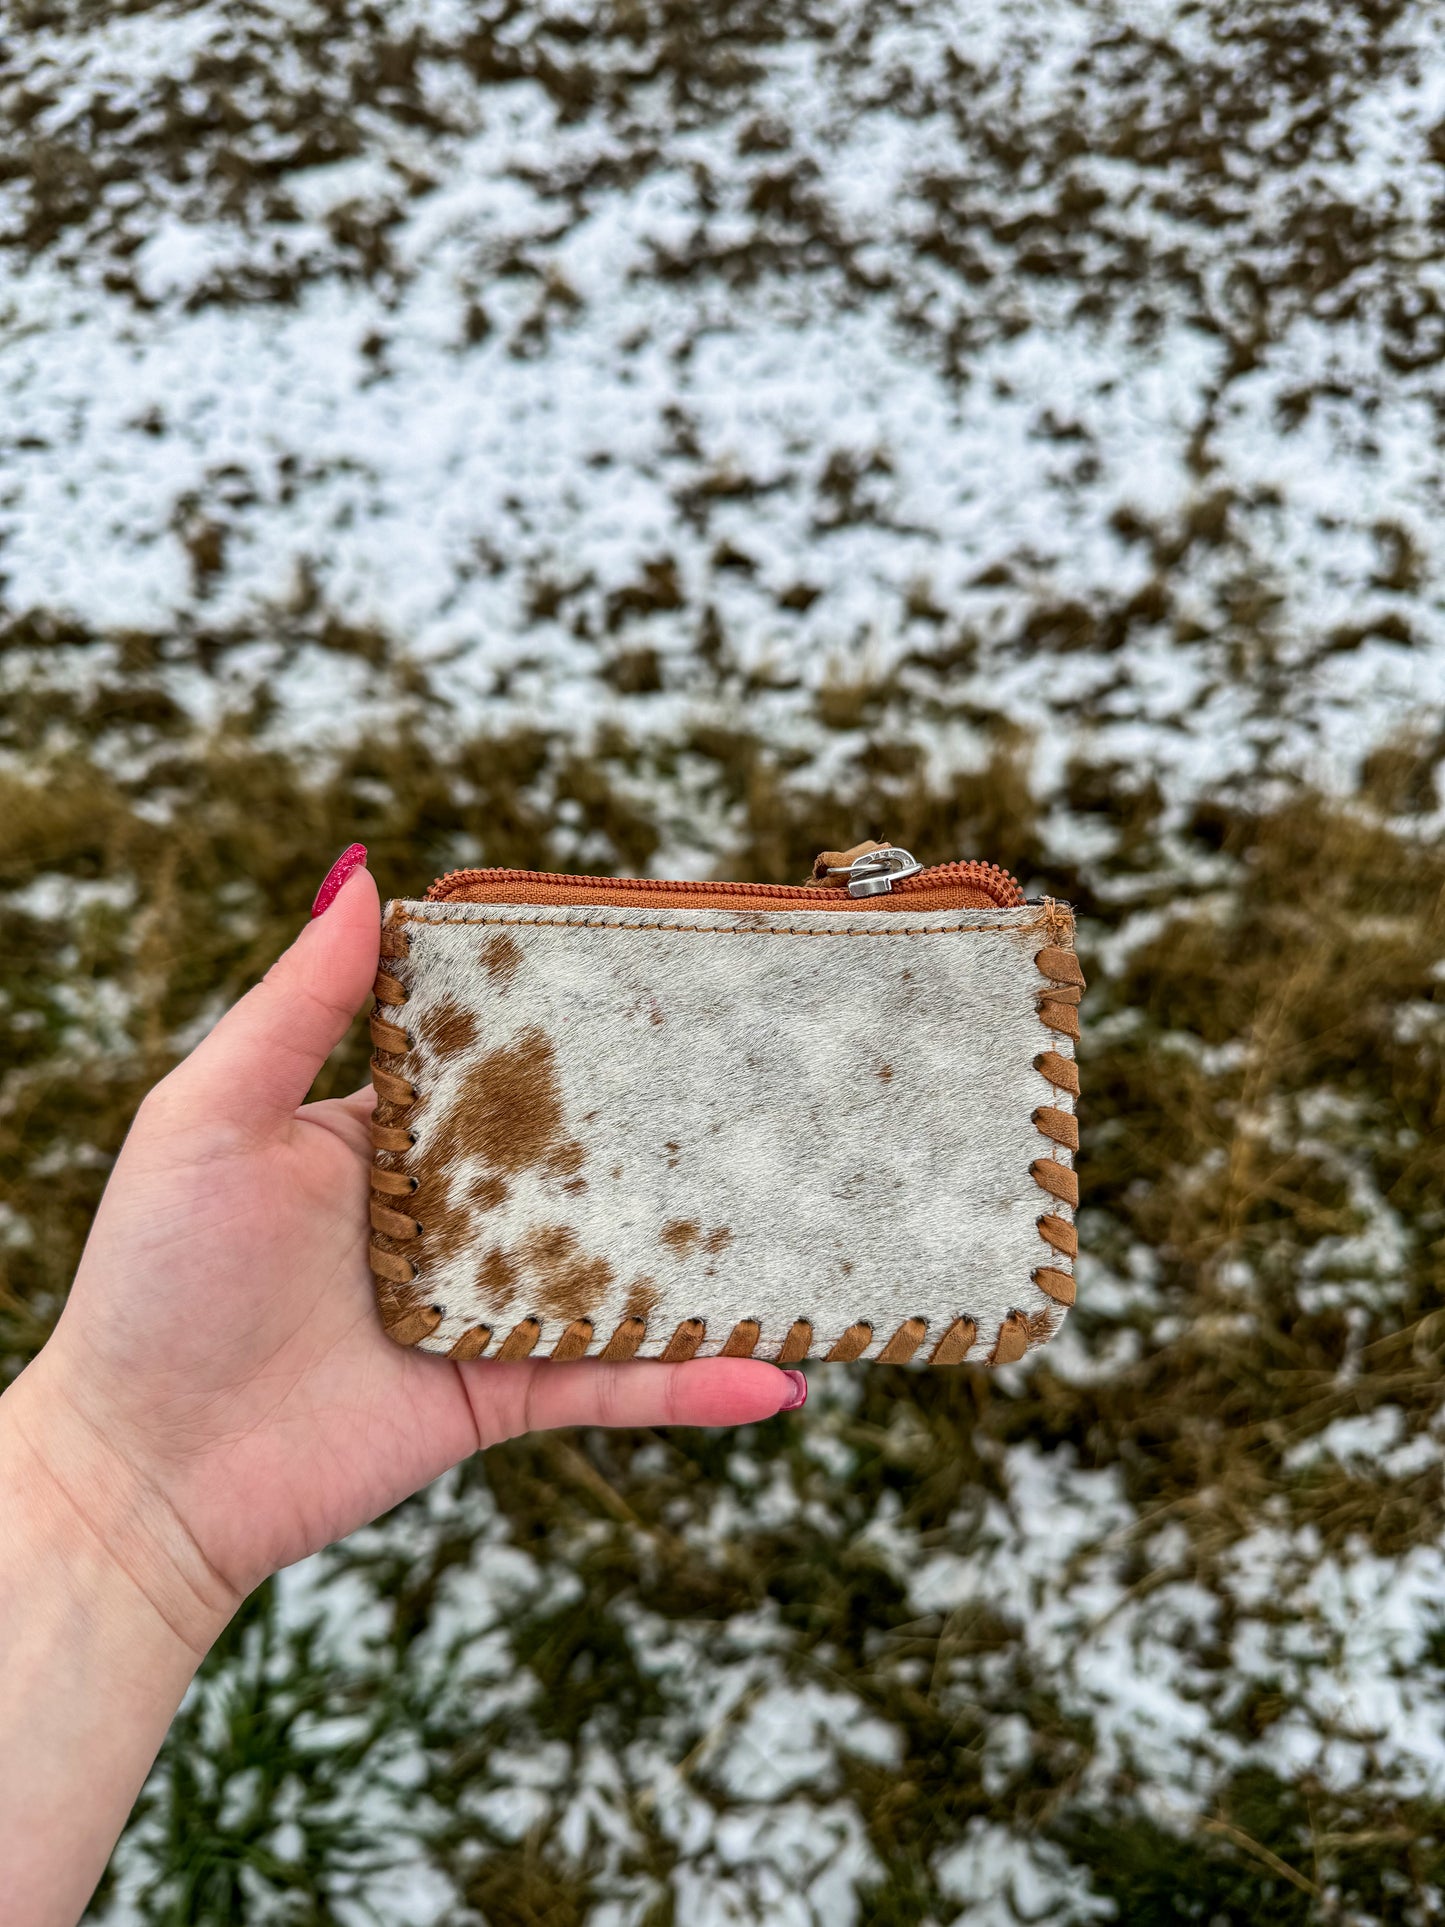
(669, 439)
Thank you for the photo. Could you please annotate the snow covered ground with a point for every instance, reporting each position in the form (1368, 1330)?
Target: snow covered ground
(1087, 350)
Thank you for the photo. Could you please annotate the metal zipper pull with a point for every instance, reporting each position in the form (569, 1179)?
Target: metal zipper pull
(875, 872)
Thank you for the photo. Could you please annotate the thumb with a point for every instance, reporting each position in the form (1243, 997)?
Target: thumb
(258, 1063)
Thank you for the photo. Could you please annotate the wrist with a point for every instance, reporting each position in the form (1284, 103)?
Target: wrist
(99, 1641)
(95, 1536)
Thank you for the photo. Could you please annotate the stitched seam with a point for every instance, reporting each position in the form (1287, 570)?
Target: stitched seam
(720, 929)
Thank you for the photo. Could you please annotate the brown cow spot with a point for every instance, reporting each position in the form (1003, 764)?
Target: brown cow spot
(446, 1212)
(500, 954)
(674, 1153)
(446, 1030)
(507, 1114)
(570, 1284)
(885, 1073)
(497, 1279)
(509, 1109)
(566, 1158)
(683, 1236)
(507, 1117)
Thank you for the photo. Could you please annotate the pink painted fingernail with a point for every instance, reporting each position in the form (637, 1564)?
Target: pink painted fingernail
(799, 1394)
(340, 870)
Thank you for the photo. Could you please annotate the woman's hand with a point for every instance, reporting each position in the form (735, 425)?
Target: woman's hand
(219, 1399)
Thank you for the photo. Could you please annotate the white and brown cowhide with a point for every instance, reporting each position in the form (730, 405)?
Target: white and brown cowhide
(723, 1116)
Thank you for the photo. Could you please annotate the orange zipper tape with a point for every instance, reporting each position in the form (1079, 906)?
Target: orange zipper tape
(939, 886)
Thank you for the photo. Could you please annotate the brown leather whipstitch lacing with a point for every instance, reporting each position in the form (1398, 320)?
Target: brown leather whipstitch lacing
(1058, 1008)
(395, 1233)
(392, 1229)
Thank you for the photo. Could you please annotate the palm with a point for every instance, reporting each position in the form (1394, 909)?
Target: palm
(270, 1408)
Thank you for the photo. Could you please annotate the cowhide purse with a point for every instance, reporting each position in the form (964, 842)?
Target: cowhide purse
(630, 1119)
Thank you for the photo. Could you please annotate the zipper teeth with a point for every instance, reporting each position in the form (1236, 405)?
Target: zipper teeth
(990, 877)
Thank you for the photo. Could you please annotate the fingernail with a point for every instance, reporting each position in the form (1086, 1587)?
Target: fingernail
(799, 1394)
(340, 870)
